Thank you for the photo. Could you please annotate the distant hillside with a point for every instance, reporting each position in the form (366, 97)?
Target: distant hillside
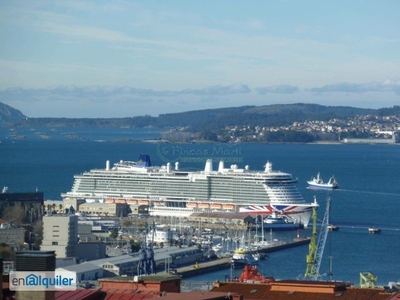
(9, 114)
(279, 115)
(207, 119)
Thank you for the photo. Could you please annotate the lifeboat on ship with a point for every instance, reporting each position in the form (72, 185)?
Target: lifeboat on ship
(109, 200)
(131, 201)
(120, 201)
(144, 202)
(216, 206)
(228, 206)
(204, 205)
(191, 204)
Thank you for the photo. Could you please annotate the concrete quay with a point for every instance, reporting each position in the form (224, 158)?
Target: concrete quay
(225, 262)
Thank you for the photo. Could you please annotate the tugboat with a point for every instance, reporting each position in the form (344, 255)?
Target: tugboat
(251, 275)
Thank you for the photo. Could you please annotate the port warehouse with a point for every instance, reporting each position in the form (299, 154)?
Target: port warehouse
(119, 209)
(127, 264)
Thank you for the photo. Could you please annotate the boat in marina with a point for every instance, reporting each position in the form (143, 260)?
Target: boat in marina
(242, 257)
(251, 274)
(170, 191)
(318, 183)
(280, 222)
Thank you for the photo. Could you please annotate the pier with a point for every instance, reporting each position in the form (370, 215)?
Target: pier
(225, 262)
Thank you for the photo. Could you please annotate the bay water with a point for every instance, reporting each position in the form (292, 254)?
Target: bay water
(368, 194)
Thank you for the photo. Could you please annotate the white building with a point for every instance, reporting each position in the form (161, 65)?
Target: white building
(160, 234)
(60, 234)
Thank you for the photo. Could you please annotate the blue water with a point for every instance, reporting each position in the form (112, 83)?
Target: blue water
(368, 176)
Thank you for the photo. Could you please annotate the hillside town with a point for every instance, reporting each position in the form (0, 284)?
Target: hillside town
(368, 129)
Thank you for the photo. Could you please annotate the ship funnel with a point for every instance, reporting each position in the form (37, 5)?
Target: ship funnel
(208, 167)
(268, 167)
(177, 165)
(221, 166)
(107, 165)
(168, 168)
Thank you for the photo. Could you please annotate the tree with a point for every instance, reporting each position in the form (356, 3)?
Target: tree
(126, 222)
(15, 214)
(135, 246)
(6, 252)
(38, 233)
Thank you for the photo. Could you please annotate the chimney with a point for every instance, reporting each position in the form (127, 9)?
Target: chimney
(208, 167)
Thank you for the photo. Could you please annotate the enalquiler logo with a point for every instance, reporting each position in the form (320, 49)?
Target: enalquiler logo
(42, 281)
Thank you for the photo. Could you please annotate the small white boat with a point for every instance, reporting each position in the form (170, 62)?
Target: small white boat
(318, 183)
(374, 230)
(332, 227)
(243, 257)
(280, 222)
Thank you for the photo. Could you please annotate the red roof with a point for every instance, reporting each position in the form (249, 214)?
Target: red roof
(78, 295)
(263, 291)
(120, 294)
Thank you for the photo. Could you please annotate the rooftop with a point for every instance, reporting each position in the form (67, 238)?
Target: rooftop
(302, 290)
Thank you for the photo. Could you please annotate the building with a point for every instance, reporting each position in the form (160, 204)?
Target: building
(85, 271)
(105, 209)
(60, 234)
(73, 203)
(152, 284)
(12, 236)
(389, 141)
(87, 251)
(238, 219)
(123, 265)
(31, 203)
(296, 289)
(160, 234)
(31, 261)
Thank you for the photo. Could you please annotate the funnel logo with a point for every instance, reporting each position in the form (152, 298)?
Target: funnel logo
(43, 281)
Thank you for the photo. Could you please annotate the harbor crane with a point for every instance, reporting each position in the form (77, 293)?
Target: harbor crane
(146, 265)
(316, 249)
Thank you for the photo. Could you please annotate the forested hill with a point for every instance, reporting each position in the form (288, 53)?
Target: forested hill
(207, 119)
(9, 114)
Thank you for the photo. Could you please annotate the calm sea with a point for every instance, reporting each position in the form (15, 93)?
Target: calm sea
(368, 175)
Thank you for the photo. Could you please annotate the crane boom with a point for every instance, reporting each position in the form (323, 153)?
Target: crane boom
(316, 250)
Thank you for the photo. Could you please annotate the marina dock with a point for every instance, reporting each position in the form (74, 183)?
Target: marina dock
(225, 262)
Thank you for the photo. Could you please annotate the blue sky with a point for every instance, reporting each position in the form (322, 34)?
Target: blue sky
(129, 58)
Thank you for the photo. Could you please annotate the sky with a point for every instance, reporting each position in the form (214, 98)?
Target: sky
(112, 59)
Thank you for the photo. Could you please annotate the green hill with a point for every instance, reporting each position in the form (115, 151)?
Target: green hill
(207, 119)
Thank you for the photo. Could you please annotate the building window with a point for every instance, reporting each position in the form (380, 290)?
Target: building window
(54, 243)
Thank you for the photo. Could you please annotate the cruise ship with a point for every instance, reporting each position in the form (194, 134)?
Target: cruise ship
(169, 191)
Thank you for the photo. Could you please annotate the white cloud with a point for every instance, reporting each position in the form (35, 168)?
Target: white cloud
(346, 87)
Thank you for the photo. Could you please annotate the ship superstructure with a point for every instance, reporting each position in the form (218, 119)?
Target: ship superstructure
(173, 192)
